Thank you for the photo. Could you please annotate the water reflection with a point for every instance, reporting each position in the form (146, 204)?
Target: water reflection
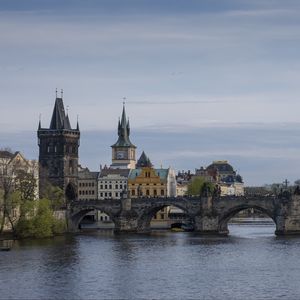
(251, 263)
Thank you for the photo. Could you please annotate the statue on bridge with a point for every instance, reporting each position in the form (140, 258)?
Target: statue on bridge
(217, 191)
(297, 190)
(205, 190)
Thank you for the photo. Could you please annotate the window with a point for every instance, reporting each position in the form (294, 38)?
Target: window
(117, 186)
(121, 186)
(105, 194)
(110, 186)
(105, 186)
(162, 192)
(147, 192)
(155, 192)
(101, 194)
(101, 186)
(133, 192)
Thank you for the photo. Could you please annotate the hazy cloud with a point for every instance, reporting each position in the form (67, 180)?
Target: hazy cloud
(209, 77)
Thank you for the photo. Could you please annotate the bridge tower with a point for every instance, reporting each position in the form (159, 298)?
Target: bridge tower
(58, 152)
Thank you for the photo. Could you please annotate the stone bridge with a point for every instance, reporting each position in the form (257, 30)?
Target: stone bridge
(210, 215)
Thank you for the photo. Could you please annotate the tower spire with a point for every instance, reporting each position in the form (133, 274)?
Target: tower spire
(61, 93)
(40, 125)
(77, 126)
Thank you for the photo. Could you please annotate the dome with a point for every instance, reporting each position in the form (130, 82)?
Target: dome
(222, 166)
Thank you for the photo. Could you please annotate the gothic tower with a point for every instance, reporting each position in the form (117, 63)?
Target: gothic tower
(123, 151)
(58, 152)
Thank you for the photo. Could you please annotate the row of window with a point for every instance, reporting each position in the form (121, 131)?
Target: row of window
(147, 193)
(109, 195)
(110, 186)
(67, 149)
(90, 192)
(110, 182)
(83, 184)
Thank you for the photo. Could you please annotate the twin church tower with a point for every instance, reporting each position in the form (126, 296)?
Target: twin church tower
(58, 151)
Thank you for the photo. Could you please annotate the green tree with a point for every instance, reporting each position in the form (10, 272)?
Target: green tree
(40, 221)
(198, 186)
(54, 193)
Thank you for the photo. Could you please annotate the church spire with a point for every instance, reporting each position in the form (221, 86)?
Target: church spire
(123, 131)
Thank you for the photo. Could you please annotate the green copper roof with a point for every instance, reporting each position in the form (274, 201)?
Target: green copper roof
(123, 132)
(162, 173)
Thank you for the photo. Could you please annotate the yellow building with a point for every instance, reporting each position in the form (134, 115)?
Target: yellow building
(145, 181)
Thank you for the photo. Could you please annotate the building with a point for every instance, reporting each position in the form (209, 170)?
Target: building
(183, 179)
(87, 184)
(10, 165)
(123, 151)
(222, 173)
(112, 183)
(58, 152)
(146, 181)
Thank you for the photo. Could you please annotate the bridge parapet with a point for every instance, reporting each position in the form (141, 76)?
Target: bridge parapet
(210, 214)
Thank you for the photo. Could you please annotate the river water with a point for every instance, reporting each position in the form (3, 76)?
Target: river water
(252, 263)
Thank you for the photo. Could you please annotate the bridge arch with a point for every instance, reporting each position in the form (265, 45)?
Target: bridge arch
(79, 214)
(230, 213)
(148, 213)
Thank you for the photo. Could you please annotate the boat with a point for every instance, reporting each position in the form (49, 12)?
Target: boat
(5, 248)
(180, 227)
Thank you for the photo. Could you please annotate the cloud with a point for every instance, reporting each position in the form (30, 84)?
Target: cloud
(229, 69)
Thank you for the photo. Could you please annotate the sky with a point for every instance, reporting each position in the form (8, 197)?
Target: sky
(203, 80)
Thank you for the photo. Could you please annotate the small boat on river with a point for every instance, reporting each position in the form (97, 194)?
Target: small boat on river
(181, 227)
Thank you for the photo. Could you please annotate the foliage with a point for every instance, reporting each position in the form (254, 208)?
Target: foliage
(198, 185)
(59, 226)
(53, 193)
(25, 183)
(42, 223)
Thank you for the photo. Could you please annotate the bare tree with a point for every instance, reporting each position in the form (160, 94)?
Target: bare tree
(7, 185)
(18, 185)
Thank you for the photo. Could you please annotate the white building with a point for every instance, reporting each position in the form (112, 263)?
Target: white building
(112, 183)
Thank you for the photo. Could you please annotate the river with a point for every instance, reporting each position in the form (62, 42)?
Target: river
(252, 263)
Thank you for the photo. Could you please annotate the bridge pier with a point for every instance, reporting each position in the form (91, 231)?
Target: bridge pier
(208, 225)
(126, 224)
(288, 218)
(126, 221)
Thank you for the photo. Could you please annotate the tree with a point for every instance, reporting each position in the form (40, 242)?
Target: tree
(198, 186)
(18, 186)
(40, 221)
(7, 168)
(55, 194)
